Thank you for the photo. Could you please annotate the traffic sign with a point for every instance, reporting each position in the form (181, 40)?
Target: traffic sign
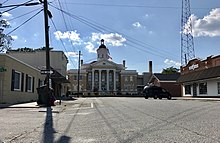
(46, 72)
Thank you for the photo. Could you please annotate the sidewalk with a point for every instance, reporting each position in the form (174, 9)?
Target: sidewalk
(197, 98)
(25, 105)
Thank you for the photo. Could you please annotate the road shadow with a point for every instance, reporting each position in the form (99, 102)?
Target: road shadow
(49, 131)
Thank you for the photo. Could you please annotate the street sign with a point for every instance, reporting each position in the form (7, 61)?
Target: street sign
(46, 72)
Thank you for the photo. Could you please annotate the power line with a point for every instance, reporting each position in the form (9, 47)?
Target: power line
(102, 28)
(5, 1)
(23, 15)
(123, 5)
(130, 6)
(62, 42)
(18, 5)
(74, 49)
(24, 22)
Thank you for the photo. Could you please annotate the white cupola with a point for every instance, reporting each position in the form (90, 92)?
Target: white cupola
(103, 52)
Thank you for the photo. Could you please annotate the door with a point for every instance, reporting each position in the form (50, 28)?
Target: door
(194, 89)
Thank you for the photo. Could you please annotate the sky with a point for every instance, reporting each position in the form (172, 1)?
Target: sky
(135, 31)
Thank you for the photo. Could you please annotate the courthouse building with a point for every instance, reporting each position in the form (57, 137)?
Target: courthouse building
(103, 76)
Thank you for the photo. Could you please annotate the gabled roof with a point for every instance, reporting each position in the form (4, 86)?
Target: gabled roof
(213, 72)
(166, 77)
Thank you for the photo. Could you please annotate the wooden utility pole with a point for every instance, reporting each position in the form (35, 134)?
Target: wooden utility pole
(78, 74)
(47, 46)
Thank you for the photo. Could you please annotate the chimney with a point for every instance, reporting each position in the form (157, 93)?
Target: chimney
(81, 62)
(150, 67)
(124, 63)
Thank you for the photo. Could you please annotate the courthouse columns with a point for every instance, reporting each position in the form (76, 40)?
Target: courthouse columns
(93, 77)
(114, 80)
(100, 79)
(107, 79)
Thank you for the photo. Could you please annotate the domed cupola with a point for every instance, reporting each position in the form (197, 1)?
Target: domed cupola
(103, 52)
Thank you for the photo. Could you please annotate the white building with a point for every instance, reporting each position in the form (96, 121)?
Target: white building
(103, 76)
(37, 58)
(18, 80)
(201, 77)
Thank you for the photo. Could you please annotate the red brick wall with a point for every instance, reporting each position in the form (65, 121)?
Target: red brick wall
(173, 88)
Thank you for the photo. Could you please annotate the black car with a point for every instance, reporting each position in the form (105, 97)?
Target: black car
(156, 92)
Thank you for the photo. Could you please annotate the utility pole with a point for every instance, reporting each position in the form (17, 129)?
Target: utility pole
(47, 47)
(78, 74)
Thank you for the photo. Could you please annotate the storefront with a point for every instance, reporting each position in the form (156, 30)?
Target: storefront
(201, 78)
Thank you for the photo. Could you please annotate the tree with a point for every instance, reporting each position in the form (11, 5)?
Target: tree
(170, 70)
(5, 40)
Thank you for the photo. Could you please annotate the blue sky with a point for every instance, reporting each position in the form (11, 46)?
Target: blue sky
(135, 31)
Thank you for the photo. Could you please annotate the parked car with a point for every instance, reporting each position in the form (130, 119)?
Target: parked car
(156, 92)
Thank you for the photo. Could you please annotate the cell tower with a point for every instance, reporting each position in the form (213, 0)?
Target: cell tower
(187, 44)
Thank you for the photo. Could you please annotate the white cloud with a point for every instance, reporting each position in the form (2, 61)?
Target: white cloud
(90, 47)
(71, 54)
(6, 14)
(150, 32)
(171, 62)
(14, 37)
(71, 35)
(147, 15)
(137, 25)
(114, 39)
(207, 26)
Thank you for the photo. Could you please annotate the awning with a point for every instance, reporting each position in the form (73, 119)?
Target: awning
(205, 74)
(58, 78)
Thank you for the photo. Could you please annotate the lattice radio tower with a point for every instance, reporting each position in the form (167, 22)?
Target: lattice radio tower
(187, 44)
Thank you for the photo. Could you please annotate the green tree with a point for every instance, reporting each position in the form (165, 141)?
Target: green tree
(170, 70)
(5, 40)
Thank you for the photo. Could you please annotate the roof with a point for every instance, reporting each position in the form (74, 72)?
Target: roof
(213, 72)
(167, 77)
(58, 78)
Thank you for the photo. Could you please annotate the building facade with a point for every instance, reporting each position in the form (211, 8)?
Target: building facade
(201, 77)
(103, 77)
(168, 82)
(18, 80)
(37, 59)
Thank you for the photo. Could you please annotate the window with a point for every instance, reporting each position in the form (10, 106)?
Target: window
(80, 77)
(126, 78)
(131, 78)
(90, 76)
(75, 77)
(203, 88)
(17, 80)
(218, 87)
(96, 76)
(29, 83)
(187, 89)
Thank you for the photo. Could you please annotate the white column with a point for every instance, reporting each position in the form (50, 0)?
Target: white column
(107, 79)
(114, 80)
(100, 81)
(93, 77)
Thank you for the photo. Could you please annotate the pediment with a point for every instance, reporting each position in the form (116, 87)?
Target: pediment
(104, 63)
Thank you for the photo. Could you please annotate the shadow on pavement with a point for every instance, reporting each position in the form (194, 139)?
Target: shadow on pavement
(49, 131)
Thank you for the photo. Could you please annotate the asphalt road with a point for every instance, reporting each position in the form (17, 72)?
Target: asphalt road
(114, 120)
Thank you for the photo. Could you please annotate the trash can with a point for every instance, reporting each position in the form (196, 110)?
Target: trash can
(43, 98)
